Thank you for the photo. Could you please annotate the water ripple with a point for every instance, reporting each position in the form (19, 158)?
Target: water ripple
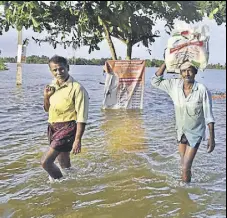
(129, 165)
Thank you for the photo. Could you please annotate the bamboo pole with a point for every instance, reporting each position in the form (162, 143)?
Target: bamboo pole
(19, 54)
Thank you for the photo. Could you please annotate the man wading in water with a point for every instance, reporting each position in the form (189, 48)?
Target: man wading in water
(66, 102)
(193, 111)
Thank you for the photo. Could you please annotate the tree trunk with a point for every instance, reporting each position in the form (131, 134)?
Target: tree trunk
(110, 42)
(19, 53)
(129, 51)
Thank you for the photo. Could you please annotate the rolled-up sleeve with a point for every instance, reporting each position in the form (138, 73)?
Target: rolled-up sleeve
(207, 107)
(81, 105)
(161, 83)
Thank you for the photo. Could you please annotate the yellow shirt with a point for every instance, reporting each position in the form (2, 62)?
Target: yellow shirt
(69, 102)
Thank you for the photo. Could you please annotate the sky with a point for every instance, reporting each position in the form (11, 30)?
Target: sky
(217, 45)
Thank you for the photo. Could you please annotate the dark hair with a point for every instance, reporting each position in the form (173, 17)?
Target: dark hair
(58, 59)
(194, 69)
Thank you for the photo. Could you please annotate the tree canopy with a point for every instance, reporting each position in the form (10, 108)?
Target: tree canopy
(77, 23)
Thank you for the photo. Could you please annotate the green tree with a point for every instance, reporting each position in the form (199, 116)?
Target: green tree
(214, 10)
(76, 23)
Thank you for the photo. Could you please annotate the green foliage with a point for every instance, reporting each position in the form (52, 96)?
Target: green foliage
(34, 59)
(154, 63)
(214, 10)
(77, 23)
(19, 14)
(2, 65)
(37, 60)
(216, 66)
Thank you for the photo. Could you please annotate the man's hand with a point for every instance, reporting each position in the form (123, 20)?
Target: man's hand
(210, 145)
(48, 91)
(76, 147)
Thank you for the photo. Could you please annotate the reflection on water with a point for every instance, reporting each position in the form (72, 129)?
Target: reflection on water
(124, 130)
(129, 165)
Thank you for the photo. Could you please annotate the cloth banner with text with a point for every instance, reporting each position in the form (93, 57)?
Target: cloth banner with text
(124, 84)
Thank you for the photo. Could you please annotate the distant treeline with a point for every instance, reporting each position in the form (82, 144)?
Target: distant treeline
(82, 61)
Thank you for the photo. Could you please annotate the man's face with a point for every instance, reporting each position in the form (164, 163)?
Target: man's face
(59, 70)
(188, 75)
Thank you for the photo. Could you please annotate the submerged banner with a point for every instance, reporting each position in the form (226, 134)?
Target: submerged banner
(124, 85)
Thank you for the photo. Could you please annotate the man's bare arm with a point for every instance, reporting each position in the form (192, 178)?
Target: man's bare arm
(48, 91)
(79, 133)
(161, 70)
(46, 103)
(211, 140)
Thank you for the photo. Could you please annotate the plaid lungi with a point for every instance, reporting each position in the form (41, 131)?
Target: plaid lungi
(61, 135)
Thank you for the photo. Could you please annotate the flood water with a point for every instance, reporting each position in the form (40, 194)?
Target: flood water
(129, 166)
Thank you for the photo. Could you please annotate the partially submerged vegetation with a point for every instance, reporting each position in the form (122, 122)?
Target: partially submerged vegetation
(2, 65)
